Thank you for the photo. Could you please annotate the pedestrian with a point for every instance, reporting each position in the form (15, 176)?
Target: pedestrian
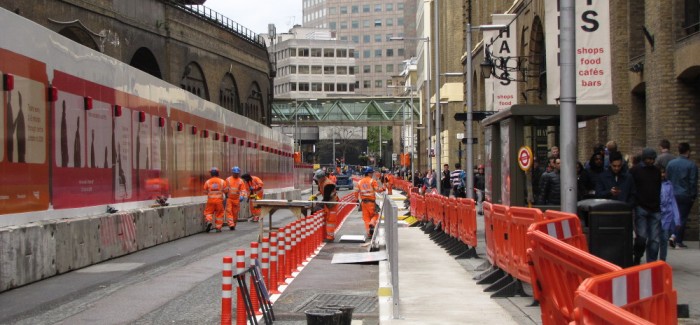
(554, 151)
(683, 174)
(235, 194)
(611, 147)
(480, 185)
(365, 194)
(665, 156)
(254, 192)
(584, 186)
(550, 186)
(388, 182)
(595, 169)
(458, 181)
(647, 194)
(670, 218)
(445, 183)
(327, 191)
(214, 208)
(614, 183)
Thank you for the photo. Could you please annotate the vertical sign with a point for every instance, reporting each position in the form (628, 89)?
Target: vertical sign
(503, 46)
(593, 74)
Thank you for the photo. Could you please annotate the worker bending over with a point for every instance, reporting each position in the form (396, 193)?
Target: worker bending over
(254, 192)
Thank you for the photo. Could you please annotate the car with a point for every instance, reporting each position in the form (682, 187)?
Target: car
(344, 181)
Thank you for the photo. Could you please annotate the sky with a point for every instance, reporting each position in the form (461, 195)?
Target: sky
(257, 14)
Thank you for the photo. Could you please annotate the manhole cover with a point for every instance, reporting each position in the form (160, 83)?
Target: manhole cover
(362, 304)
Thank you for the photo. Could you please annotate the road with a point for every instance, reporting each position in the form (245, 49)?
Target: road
(174, 283)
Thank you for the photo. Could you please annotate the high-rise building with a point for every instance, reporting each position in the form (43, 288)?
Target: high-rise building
(368, 26)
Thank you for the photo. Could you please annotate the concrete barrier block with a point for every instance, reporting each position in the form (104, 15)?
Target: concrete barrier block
(173, 223)
(27, 254)
(77, 243)
(194, 218)
(117, 235)
(148, 228)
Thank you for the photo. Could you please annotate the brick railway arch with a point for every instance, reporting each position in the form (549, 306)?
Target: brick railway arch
(193, 80)
(254, 103)
(80, 36)
(144, 60)
(228, 94)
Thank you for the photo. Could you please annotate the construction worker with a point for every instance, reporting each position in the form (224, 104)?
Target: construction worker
(214, 189)
(327, 190)
(331, 176)
(365, 193)
(254, 191)
(235, 194)
(388, 182)
(158, 188)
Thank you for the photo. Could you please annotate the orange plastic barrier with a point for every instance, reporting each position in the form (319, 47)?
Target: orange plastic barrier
(520, 220)
(563, 226)
(641, 294)
(451, 221)
(466, 210)
(501, 222)
(558, 269)
(488, 232)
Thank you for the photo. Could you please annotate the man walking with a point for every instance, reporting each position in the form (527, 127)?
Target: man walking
(235, 192)
(214, 189)
(365, 193)
(683, 174)
(647, 194)
(458, 179)
(445, 183)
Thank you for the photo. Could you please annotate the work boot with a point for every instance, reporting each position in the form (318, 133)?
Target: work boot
(329, 240)
(232, 227)
(371, 230)
(208, 227)
(218, 229)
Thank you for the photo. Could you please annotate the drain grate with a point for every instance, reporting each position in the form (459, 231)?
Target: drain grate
(362, 304)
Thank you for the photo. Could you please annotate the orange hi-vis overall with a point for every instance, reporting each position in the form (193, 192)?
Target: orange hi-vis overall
(235, 188)
(255, 188)
(214, 188)
(330, 211)
(389, 183)
(365, 192)
(333, 178)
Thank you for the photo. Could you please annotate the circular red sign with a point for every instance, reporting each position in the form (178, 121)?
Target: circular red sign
(525, 158)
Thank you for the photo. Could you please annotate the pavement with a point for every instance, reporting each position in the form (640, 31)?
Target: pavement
(434, 287)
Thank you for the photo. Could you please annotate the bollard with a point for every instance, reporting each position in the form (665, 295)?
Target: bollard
(273, 263)
(265, 261)
(226, 287)
(241, 318)
(288, 252)
(293, 251)
(281, 254)
(253, 290)
(300, 256)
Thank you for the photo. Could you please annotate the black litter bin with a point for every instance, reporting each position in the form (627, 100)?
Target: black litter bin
(608, 226)
(322, 316)
(346, 316)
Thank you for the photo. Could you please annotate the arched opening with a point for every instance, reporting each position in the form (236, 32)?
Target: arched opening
(144, 60)
(254, 103)
(193, 80)
(228, 94)
(79, 36)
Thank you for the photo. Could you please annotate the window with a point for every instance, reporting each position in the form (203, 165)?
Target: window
(399, 6)
(293, 86)
(353, 69)
(328, 87)
(378, 38)
(366, 53)
(353, 86)
(365, 23)
(389, 52)
(292, 51)
(377, 23)
(366, 68)
(389, 82)
(303, 69)
(303, 86)
(328, 53)
(292, 69)
(343, 10)
(332, 10)
(356, 54)
(356, 39)
(355, 24)
(378, 68)
(328, 69)
(304, 52)
(389, 36)
(316, 69)
(389, 68)
(316, 86)
(344, 38)
(399, 21)
(341, 69)
(316, 53)
(692, 16)
(389, 7)
(378, 53)
(402, 52)
(365, 38)
(378, 84)
(341, 53)
(332, 25)
(355, 9)
(342, 87)
(378, 7)
(389, 22)
(365, 8)
(366, 84)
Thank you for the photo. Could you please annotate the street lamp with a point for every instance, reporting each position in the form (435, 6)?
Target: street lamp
(470, 105)
(427, 90)
(403, 132)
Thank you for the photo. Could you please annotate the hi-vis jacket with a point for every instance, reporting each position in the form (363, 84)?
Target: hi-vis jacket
(366, 188)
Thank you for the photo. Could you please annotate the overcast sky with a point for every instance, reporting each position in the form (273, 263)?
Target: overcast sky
(256, 14)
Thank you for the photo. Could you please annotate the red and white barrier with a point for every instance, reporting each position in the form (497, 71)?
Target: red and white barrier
(226, 287)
